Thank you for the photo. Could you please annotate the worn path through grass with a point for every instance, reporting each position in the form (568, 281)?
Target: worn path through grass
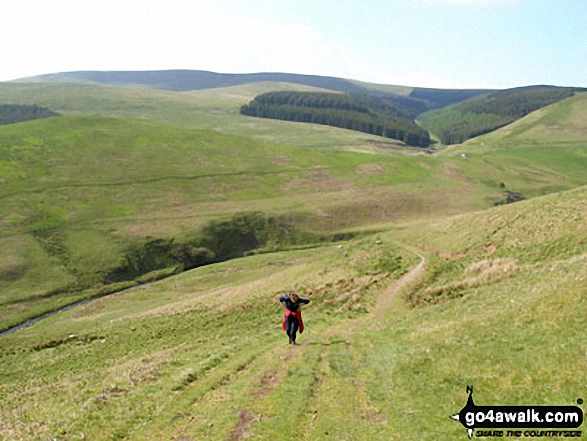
(385, 299)
(336, 389)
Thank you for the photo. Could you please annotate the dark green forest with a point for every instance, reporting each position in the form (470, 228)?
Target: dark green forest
(14, 113)
(516, 103)
(486, 113)
(359, 112)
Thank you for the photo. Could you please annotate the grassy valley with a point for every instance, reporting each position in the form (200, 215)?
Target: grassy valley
(185, 220)
(79, 191)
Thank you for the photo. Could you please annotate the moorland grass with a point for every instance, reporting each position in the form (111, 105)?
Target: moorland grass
(500, 305)
(77, 191)
(172, 360)
(88, 188)
(216, 109)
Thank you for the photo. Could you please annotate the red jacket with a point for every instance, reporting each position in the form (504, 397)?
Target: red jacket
(296, 314)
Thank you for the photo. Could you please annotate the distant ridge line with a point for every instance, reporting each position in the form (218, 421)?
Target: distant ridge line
(185, 79)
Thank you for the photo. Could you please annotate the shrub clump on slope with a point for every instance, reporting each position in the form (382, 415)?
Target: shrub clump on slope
(14, 113)
(219, 241)
(363, 113)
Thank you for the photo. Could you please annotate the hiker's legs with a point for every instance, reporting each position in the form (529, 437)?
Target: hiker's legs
(292, 328)
(289, 327)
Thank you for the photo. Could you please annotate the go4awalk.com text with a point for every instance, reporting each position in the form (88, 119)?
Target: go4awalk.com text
(520, 421)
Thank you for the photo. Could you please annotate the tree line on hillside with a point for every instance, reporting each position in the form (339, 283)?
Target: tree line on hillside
(326, 100)
(487, 113)
(14, 113)
(453, 127)
(363, 113)
(516, 103)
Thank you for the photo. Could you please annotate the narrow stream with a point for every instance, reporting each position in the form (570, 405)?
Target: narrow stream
(45, 315)
(32, 321)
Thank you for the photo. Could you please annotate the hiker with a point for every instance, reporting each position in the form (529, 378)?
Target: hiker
(292, 321)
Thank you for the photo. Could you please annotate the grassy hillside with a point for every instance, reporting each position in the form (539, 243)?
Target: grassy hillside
(559, 124)
(77, 192)
(486, 113)
(541, 147)
(80, 194)
(216, 109)
(202, 355)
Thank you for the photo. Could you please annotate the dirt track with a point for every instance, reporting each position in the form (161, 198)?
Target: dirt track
(385, 298)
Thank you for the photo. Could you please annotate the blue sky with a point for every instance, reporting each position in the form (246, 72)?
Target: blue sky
(427, 43)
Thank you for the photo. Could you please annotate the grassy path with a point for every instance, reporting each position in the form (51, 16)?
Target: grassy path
(385, 298)
(321, 384)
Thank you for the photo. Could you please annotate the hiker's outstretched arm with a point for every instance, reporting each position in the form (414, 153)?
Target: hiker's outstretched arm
(282, 301)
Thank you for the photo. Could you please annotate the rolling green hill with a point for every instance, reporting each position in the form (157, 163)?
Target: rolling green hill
(419, 284)
(216, 109)
(186, 80)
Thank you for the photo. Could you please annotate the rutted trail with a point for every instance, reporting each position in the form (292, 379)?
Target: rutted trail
(269, 381)
(339, 368)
